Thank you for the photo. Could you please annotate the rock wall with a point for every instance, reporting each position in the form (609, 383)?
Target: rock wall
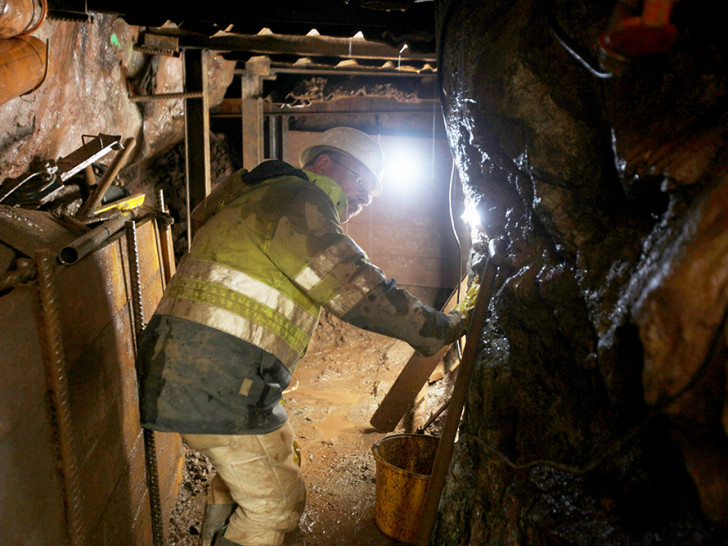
(93, 69)
(597, 411)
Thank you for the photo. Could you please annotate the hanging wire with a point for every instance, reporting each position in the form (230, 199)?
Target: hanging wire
(460, 246)
(571, 46)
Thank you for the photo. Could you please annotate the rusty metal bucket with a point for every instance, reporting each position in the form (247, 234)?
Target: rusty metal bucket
(404, 464)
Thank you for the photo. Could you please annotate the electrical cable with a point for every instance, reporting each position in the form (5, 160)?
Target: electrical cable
(569, 45)
(460, 247)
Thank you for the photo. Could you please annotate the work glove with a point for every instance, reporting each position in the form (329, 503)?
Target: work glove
(466, 305)
(456, 327)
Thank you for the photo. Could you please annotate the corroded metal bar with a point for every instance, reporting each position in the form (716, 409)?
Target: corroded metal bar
(83, 157)
(166, 96)
(93, 202)
(197, 133)
(135, 278)
(150, 447)
(56, 373)
(82, 246)
(165, 240)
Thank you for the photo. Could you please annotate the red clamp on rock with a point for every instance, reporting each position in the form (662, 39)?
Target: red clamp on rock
(632, 36)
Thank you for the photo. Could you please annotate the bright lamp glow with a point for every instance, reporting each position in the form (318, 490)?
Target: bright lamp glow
(405, 168)
(471, 216)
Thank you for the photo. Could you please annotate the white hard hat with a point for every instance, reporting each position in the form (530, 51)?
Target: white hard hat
(353, 142)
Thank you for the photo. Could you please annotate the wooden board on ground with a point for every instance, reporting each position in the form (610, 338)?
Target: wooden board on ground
(416, 372)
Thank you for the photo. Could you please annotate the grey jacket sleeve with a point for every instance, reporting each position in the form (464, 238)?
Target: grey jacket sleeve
(395, 312)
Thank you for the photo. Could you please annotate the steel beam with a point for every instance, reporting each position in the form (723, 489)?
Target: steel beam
(197, 132)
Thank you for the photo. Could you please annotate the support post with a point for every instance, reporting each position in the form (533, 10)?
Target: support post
(252, 110)
(197, 133)
(277, 138)
(459, 394)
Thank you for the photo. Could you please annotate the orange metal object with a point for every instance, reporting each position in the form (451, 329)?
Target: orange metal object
(650, 32)
(16, 16)
(404, 464)
(22, 66)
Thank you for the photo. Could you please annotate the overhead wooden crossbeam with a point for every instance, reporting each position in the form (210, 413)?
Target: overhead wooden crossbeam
(303, 46)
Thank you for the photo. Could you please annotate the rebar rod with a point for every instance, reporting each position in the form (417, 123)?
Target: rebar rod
(57, 377)
(166, 96)
(150, 447)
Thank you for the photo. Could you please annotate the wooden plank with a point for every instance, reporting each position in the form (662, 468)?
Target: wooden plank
(448, 364)
(251, 92)
(458, 396)
(414, 375)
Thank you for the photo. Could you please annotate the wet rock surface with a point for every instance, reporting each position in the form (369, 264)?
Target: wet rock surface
(609, 193)
(597, 411)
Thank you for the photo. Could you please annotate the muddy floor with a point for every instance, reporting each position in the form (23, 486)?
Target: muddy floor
(335, 390)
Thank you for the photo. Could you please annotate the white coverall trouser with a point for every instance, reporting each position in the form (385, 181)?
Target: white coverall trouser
(264, 480)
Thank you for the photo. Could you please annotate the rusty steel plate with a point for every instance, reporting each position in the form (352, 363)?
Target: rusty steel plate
(28, 231)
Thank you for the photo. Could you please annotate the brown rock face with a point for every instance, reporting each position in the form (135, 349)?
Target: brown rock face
(92, 70)
(597, 409)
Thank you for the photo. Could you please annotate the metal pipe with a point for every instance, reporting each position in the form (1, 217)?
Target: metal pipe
(18, 17)
(43, 12)
(57, 376)
(150, 447)
(76, 250)
(94, 200)
(22, 66)
(15, 17)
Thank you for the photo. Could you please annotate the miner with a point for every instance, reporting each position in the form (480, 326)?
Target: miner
(238, 315)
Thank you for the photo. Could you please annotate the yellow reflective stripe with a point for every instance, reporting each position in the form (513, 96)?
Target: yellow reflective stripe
(249, 288)
(355, 290)
(231, 323)
(238, 304)
(325, 262)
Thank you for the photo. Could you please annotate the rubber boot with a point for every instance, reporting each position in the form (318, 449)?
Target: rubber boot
(220, 540)
(293, 538)
(220, 506)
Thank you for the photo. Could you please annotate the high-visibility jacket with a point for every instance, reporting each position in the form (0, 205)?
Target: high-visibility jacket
(262, 267)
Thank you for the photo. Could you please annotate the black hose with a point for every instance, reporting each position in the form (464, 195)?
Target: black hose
(570, 46)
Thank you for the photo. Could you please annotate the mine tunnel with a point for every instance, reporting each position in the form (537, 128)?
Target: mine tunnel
(567, 158)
